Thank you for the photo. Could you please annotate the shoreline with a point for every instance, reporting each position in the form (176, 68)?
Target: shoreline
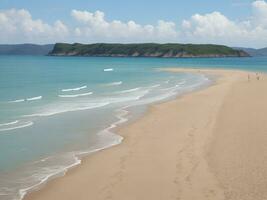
(124, 116)
(113, 183)
(123, 120)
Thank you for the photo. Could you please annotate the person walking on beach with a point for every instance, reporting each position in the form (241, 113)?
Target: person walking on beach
(248, 78)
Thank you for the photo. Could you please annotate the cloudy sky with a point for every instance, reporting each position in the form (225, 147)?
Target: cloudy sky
(230, 22)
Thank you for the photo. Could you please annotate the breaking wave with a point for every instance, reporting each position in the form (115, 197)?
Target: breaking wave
(114, 83)
(108, 70)
(74, 89)
(17, 124)
(75, 95)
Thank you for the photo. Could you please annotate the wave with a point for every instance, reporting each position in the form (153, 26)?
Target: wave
(126, 91)
(80, 105)
(9, 123)
(76, 95)
(108, 70)
(107, 135)
(17, 101)
(34, 98)
(171, 88)
(74, 89)
(43, 178)
(20, 125)
(27, 99)
(114, 83)
(167, 81)
(47, 173)
(153, 99)
(64, 109)
(154, 86)
(182, 82)
(128, 98)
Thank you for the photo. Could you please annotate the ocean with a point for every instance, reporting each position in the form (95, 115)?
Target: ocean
(54, 110)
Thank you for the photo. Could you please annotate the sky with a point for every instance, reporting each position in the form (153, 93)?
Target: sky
(238, 23)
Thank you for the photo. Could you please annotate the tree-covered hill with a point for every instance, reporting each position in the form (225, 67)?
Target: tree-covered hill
(146, 50)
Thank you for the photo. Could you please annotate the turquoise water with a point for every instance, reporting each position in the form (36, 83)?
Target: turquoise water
(55, 109)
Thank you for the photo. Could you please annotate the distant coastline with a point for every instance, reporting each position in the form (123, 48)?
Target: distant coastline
(25, 49)
(48, 49)
(146, 50)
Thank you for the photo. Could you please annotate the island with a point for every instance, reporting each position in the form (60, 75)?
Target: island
(170, 50)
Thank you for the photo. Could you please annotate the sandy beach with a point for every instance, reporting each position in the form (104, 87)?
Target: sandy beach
(208, 144)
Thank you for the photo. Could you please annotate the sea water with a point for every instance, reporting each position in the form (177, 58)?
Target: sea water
(53, 110)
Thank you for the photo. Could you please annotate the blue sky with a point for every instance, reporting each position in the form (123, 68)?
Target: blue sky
(142, 11)
(229, 22)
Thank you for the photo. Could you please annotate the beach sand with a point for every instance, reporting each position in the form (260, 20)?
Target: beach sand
(209, 144)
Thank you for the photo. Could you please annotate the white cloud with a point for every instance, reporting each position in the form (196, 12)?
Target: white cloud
(260, 13)
(18, 26)
(216, 28)
(94, 27)
(213, 27)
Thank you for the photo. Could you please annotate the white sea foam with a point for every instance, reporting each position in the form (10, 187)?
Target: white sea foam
(130, 97)
(114, 83)
(34, 98)
(127, 91)
(121, 119)
(27, 99)
(155, 86)
(74, 89)
(18, 125)
(153, 99)
(126, 95)
(17, 101)
(42, 160)
(48, 173)
(171, 92)
(9, 123)
(75, 95)
(68, 108)
(182, 82)
(84, 105)
(108, 70)
(171, 88)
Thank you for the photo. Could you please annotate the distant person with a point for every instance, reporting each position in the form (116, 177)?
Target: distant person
(248, 78)
(258, 76)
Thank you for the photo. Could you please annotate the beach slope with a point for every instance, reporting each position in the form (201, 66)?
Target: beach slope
(209, 144)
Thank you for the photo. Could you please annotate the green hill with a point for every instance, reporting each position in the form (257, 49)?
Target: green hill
(145, 50)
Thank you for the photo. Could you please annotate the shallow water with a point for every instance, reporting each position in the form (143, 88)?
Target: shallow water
(55, 109)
